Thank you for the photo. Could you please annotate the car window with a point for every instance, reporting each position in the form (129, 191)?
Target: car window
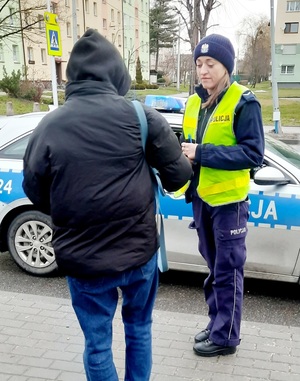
(15, 150)
(284, 151)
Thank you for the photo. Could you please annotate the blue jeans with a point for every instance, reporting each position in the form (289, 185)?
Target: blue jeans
(95, 302)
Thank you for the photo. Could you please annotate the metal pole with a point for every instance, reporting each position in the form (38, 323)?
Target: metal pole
(178, 57)
(276, 112)
(53, 72)
(74, 21)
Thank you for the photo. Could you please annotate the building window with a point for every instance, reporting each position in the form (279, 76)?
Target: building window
(30, 55)
(1, 53)
(136, 33)
(43, 56)
(53, 8)
(104, 24)
(119, 41)
(125, 42)
(27, 18)
(69, 29)
(289, 49)
(16, 56)
(293, 6)
(119, 17)
(11, 16)
(77, 4)
(78, 31)
(287, 69)
(291, 27)
(41, 22)
(95, 9)
(142, 5)
(87, 6)
(67, 3)
(136, 11)
(112, 15)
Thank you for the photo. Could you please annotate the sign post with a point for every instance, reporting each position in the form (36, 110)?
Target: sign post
(54, 48)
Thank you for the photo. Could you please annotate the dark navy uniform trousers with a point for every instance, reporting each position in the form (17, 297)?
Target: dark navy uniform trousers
(222, 232)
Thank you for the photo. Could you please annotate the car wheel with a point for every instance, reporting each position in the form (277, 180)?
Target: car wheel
(29, 242)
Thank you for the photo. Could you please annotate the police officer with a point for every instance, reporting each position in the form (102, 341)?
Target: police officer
(223, 137)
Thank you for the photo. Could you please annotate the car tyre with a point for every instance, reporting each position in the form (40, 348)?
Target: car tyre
(29, 242)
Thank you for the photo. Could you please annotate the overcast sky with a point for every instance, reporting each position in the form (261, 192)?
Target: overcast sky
(231, 14)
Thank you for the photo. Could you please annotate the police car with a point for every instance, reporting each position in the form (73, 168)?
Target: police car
(273, 241)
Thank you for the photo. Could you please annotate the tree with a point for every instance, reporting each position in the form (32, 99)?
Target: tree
(138, 71)
(16, 18)
(257, 49)
(163, 27)
(195, 16)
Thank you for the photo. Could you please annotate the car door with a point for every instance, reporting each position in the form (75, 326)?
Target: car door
(273, 241)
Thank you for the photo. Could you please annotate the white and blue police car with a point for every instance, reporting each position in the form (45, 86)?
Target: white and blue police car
(273, 242)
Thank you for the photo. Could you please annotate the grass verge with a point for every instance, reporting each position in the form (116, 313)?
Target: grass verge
(289, 102)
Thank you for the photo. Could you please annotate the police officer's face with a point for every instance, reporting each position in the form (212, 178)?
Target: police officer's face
(210, 72)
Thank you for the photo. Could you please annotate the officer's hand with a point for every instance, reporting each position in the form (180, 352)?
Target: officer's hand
(189, 150)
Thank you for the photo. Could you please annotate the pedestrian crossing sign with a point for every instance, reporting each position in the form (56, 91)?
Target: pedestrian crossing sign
(53, 35)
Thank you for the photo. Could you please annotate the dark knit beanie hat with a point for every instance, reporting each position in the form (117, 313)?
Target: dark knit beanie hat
(218, 47)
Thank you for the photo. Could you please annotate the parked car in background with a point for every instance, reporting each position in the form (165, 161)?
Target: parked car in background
(273, 241)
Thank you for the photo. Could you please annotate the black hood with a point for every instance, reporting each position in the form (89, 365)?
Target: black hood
(94, 58)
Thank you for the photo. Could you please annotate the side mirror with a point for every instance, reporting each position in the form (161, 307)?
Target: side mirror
(270, 176)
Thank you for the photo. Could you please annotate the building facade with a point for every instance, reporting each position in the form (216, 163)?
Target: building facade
(11, 48)
(287, 43)
(123, 22)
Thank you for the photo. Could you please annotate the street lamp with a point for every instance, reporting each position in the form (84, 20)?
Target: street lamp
(178, 57)
(276, 112)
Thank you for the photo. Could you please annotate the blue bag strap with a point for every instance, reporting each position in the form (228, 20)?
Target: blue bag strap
(144, 134)
(162, 252)
(143, 122)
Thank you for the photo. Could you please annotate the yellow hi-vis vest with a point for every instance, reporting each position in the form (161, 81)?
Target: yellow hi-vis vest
(217, 186)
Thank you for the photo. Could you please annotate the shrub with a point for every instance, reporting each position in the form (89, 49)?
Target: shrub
(11, 83)
(138, 86)
(152, 86)
(138, 71)
(31, 91)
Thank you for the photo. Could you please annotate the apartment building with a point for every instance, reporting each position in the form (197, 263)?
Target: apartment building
(136, 36)
(11, 48)
(123, 22)
(287, 43)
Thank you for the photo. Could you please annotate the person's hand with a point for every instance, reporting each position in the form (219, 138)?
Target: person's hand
(189, 150)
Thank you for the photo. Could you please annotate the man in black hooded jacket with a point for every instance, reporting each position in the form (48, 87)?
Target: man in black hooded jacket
(85, 166)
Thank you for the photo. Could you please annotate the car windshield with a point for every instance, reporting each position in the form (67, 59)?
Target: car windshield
(283, 150)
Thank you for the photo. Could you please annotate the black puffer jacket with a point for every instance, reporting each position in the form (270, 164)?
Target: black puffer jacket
(85, 166)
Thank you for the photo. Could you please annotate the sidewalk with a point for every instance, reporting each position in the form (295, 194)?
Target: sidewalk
(40, 340)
